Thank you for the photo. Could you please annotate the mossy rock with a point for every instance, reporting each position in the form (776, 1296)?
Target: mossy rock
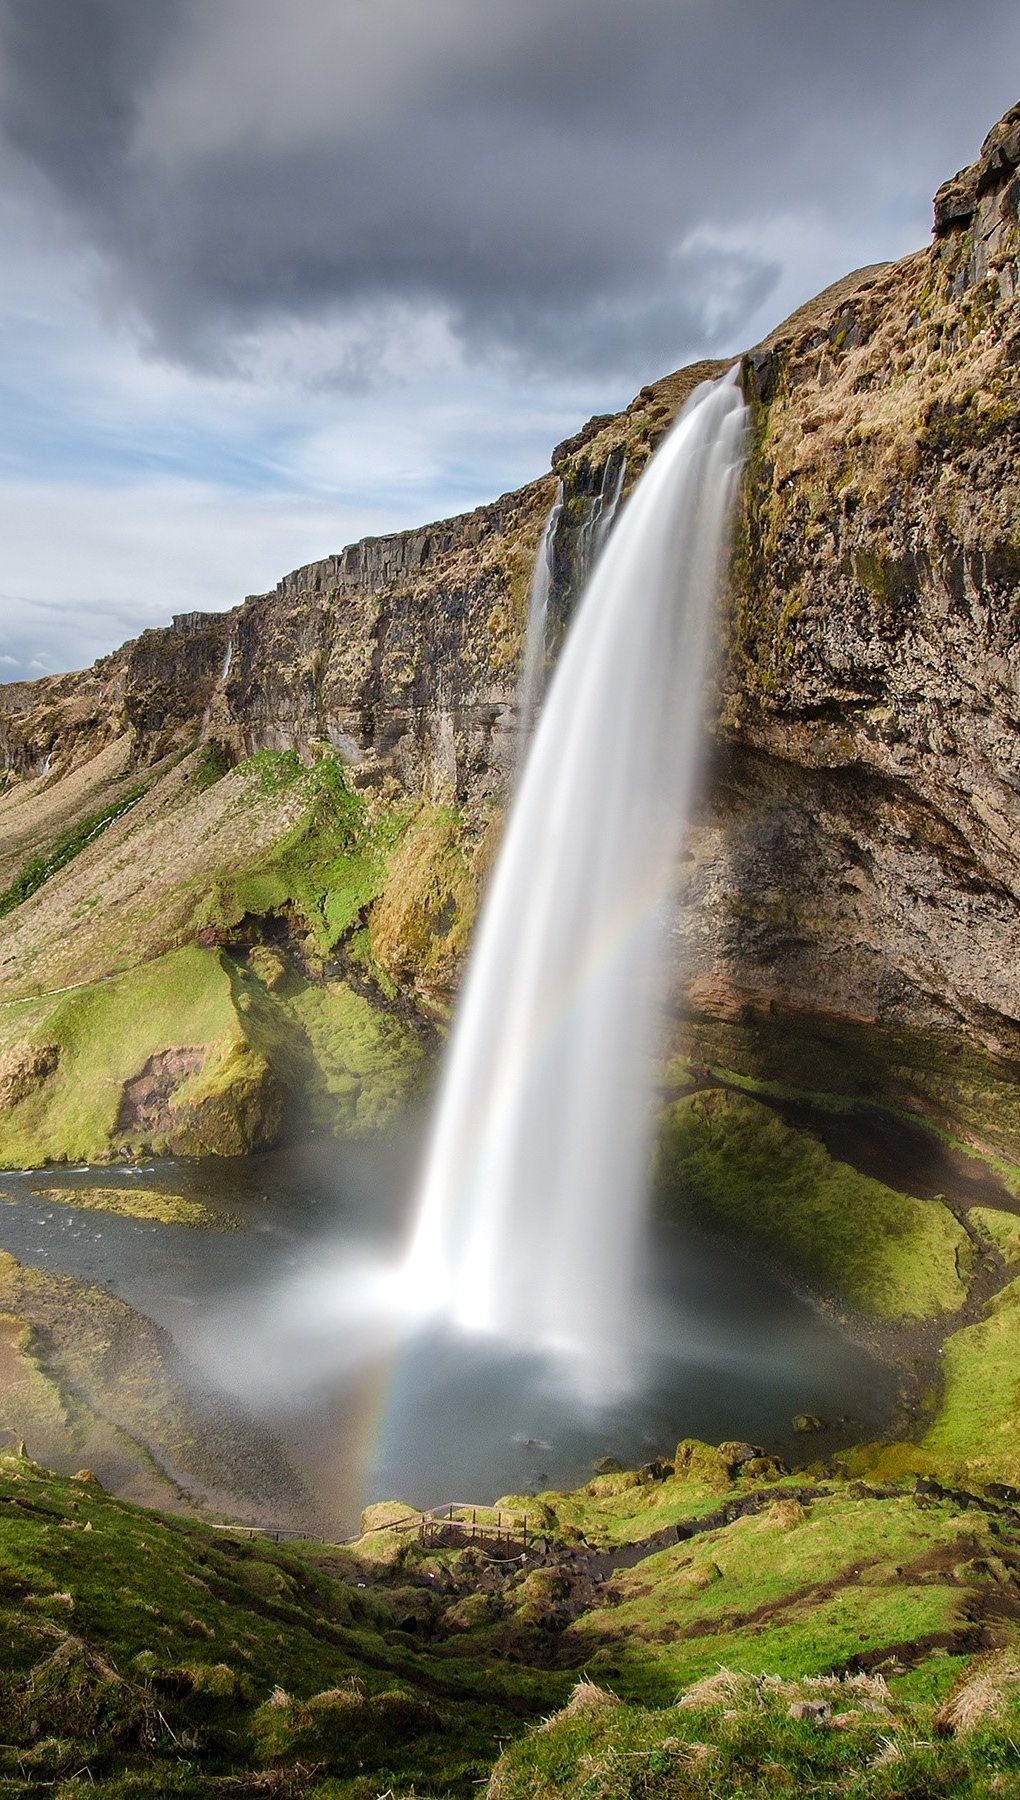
(472, 1612)
(731, 1164)
(977, 1427)
(385, 1514)
(701, 1464)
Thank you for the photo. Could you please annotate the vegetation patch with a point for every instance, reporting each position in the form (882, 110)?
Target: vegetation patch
(1002, 1229)
(135, 1203)
(730, 1164)
(419, 927)
(64, 849)
(736, 1733)
(324, 870)
(364, 1064)
(841, 1640)
(978, 1423)
(105, 1034)
(169, 1659)
(87, 1380)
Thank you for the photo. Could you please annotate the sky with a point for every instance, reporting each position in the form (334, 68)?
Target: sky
(277, 274)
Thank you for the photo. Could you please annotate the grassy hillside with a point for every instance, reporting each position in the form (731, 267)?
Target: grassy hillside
(211, 955)
(842, 1639)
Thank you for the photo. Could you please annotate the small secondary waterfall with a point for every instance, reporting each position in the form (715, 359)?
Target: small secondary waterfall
(530, 1212)
(599, 523)
(532, 681)
(224, 672)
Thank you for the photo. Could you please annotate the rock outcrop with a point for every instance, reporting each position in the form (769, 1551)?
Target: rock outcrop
(860, 856)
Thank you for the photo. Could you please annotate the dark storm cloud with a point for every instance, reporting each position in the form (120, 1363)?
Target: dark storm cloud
(572, 183)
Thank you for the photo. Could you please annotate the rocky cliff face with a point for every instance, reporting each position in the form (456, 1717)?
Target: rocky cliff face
(851, 891)
(861, 853)
(155, 688)
(401, 653)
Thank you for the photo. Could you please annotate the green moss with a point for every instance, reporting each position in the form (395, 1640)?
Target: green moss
(936, 1079)
(323, 871)
(1002, 1229)
(732, 1165)
(105, 1034)
(419, 927)
(978, 1424)
(364, 1062)
(134, 1203)
(233, 1104)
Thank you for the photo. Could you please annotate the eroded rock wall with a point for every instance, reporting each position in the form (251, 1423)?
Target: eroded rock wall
(862, 853)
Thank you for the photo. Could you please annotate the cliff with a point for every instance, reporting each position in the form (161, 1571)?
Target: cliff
(859, 857)
(850, 894)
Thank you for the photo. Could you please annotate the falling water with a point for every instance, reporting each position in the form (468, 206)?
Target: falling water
(224, 672)
(529, 688)
(602, 512)
(530, 1213)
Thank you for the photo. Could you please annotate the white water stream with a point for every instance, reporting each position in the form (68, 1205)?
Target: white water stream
(530, 1215)
(602, 512)
(532, 681)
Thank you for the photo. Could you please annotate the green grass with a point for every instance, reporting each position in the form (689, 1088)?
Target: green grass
(167, 1658)
(273, 1045)
(172, 1659)
(326, 869)
(759, 1592)
(978, 1423)
(730, 1164)
(273, 1052)
(64, 849)
(734, 1737)
(105, 1035)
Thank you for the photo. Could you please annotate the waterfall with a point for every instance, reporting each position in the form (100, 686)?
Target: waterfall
(529, 1222)
(224, 672)
(529, 688)
(599, 521)
(610, 504)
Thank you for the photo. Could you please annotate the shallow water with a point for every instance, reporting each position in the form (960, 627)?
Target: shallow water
(279, 1314)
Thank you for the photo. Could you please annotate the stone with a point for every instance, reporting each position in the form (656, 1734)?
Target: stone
(737, 1453)
(814, 1710)
(23, 1069)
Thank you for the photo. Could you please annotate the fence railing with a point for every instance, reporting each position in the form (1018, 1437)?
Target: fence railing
(437, 1527)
